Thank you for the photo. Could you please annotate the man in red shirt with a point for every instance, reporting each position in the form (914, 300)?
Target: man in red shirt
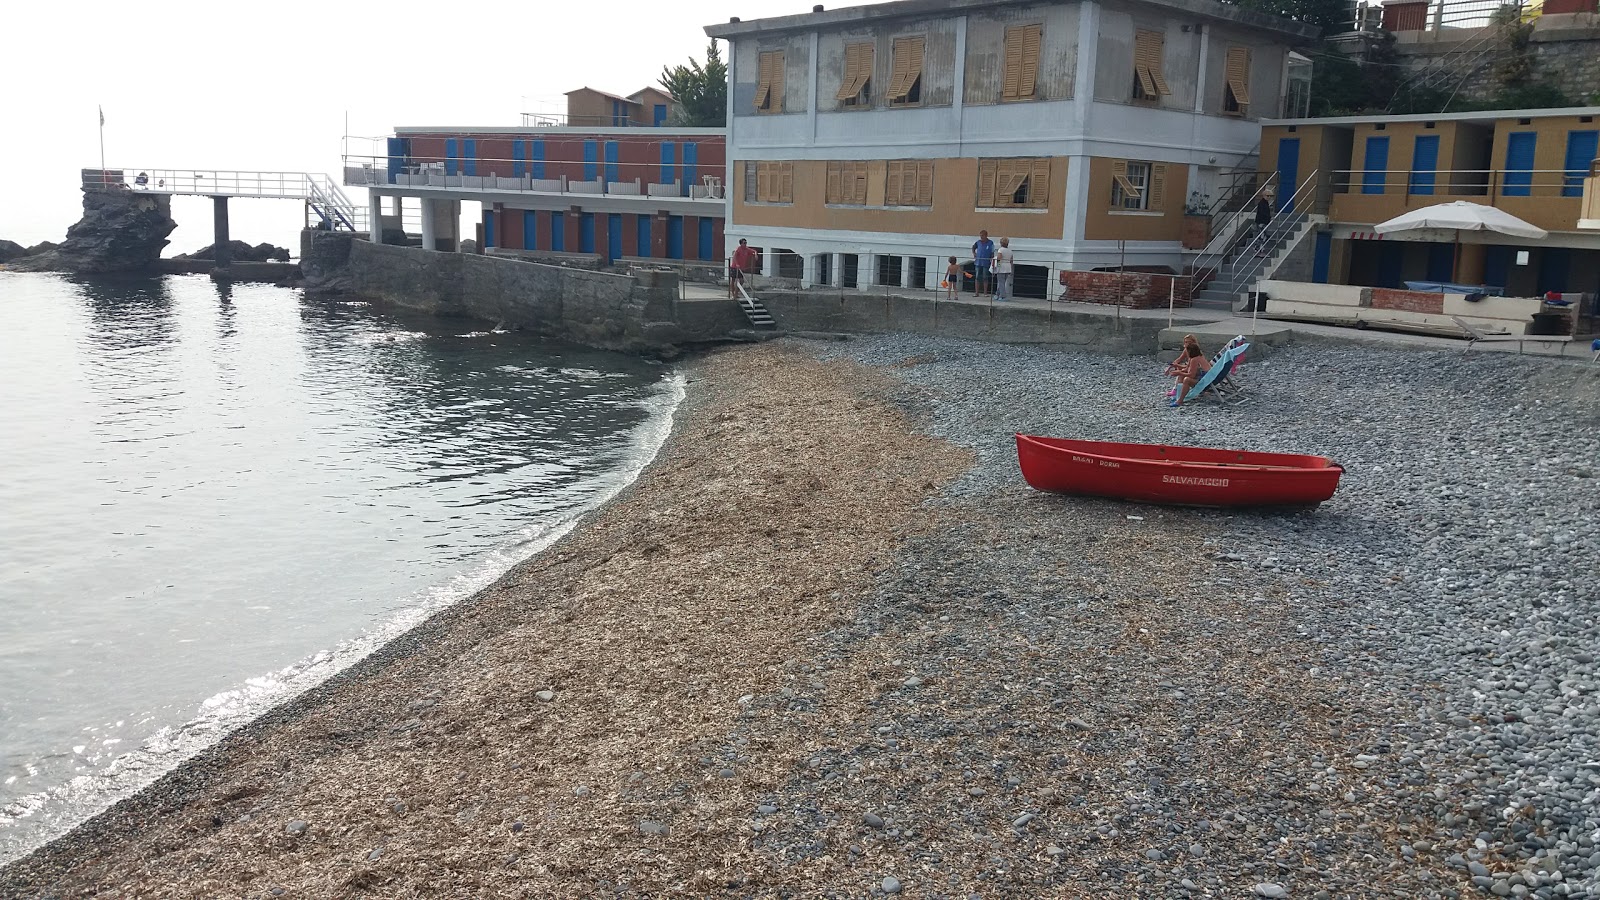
(744, 259)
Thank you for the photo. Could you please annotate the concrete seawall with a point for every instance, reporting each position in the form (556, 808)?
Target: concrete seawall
(1004, 323)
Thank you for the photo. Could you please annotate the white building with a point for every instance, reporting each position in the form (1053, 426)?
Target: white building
(869, 144)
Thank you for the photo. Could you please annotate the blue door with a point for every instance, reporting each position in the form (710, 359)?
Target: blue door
(488, 229)
(1519, 163)
(614, 236)
(669, 169)
(1324, 253)
(586, 233)
(1496, 265)
(558, 232)
(1288, 170)
(530, 230)
(471, 157)
(708, 236)
(1375, 165)
(450, 156)
(1582, 148)
(660, 115)
(1554, 264)
(536, 158)
(1391, 264)
(613, 171)
(646, 248)
(591, 156)
(1441, 262)
(519, 153)
(397, 157)
(674, 237)
(1424, 168)
(691, 159)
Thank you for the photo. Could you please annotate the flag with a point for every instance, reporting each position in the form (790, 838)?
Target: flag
(102, 115)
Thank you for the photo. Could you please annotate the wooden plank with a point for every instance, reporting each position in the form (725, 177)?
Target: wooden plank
(988, 173)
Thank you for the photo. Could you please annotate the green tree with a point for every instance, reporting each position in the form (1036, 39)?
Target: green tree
(699, 93)
(1332, 16)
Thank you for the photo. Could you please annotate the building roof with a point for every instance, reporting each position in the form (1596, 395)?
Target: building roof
(650, 90)
(851, 16)
(601, 93)
(558, 130)
(1482, 115)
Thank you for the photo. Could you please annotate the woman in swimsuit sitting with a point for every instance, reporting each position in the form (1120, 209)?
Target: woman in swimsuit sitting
(1177, 367)
(1195, 365)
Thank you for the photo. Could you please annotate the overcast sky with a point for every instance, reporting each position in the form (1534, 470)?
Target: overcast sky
(224, 85)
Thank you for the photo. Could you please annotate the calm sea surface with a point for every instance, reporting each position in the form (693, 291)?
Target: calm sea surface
(212, 498)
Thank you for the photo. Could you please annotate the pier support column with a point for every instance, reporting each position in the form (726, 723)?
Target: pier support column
(429, 237)
(219, 241)
(375, 216)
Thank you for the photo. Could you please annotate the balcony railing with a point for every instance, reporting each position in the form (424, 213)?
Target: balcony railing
(1487, 185)
(518, 175)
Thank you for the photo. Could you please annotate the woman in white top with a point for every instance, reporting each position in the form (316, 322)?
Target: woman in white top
(1004, 268)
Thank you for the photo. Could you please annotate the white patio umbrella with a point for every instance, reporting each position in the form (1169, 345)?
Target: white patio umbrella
(1458, 217)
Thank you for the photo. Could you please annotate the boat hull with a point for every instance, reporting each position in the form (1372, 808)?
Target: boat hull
(1188, 476)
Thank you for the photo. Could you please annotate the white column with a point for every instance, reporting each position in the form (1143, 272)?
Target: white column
(1200, 73)
(769, 262)
(905, 273)
(808, 273)
(867, 270)
(936, 267)
(430, 237)
(375, 216)
(838, 270)
(960, 87)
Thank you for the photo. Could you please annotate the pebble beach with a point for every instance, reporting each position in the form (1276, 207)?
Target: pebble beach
(831, 645)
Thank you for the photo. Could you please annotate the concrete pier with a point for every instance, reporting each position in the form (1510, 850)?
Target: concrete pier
(220, 252)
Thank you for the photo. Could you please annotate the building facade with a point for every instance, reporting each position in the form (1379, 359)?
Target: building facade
(606, 193)
(1533, 164)
(867, 145)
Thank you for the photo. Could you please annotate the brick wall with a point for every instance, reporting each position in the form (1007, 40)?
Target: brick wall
(1408, 301)
(1137, 290)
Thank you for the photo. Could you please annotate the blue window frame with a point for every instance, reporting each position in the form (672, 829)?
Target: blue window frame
(660, 115)
(708, 237)
(669, 167)
(613, 170)
(1520, 146)
(530, 230)
(450, 155)
(470, 157)
(1425, 165)
(691, 166)
(586, 232)
(1582, 148)
(675, 237)
(646, 245)
(613, 236)
(1375, 166)
(536, 158)
(519, 153)
(591, 158)
(558, 232)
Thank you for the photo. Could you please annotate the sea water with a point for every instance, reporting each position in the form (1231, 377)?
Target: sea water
(214, 497)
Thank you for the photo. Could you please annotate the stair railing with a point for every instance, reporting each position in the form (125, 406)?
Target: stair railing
(1300, 203)
(1215, 254)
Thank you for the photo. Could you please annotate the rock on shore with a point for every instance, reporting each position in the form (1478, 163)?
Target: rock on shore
(121, 231)
(240, 251)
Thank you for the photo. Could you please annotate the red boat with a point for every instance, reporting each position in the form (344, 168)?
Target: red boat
(1193, 476)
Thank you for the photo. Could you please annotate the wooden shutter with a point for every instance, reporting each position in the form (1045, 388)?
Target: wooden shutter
(1039, 187)
(1119, 174)
(847, 79)
(868, 56)
(988, 174)
(1158, 187)
(1011, 90)
(776, 104)
(891, 189)
(764, 182)
(1032, 36)
(1239, 74)
(1013, 173)
(925, 183)
(785, 182)
(859, 194)
(908, 54)
(763, 81)
(1147, 47)
(832, 195)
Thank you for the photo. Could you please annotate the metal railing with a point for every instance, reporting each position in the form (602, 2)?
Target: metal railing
(1258, 252)
(1486, 184)
(1226, 238)
(536, 176)
(325, 202)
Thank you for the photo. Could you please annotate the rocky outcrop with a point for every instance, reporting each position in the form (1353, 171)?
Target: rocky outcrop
(121, 231)
(239, 251)
(325, 261)
(10, 250)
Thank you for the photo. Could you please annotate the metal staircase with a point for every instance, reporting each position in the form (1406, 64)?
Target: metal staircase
(754, 311)
(326, 205)
(1229, 272)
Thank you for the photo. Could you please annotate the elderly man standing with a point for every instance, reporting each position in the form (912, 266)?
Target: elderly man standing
(982, 262)
(744, 259)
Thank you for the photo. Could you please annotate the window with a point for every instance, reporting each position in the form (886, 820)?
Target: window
(769, 83)
(1148, 82)
(768, 182)
(1022, 61)
(910, 183)
(1013, 183)
(847, 183)
(905, 87)
(1236, 86)
(855, 88)
(1138, 186)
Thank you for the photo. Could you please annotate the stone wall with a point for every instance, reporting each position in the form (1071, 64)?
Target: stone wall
(1000, 323)
(1567, 57)
(1136, 290)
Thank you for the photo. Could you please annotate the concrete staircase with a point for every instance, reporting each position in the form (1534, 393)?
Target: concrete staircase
(1255, 259)
(754, 311)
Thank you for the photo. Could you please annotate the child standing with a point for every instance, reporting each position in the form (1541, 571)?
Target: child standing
(952, 279)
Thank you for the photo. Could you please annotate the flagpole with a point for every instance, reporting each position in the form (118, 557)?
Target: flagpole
(103, 176)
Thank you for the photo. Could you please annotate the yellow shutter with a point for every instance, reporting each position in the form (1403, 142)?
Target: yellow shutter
(1239, 74)
(891, 191)
(1013, 63)
(925, 183)
(1032, 36)
(763, 81)
(865, 72)
(786, 183)
(1013, 173)
(764, 182)
(1158, 187)
(1119, 174)
(1146, 59)
(988, 174)
(833, 183)
(1039, 187)
(907, 67)
(847, 81)
(777, 82)
(861, 183)
(1157, 42)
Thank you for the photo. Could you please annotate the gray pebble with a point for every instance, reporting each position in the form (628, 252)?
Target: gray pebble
(297, 827)
(891, 884)
(648, 827)
(545, 696)
(1271, 890)
(872, 820)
